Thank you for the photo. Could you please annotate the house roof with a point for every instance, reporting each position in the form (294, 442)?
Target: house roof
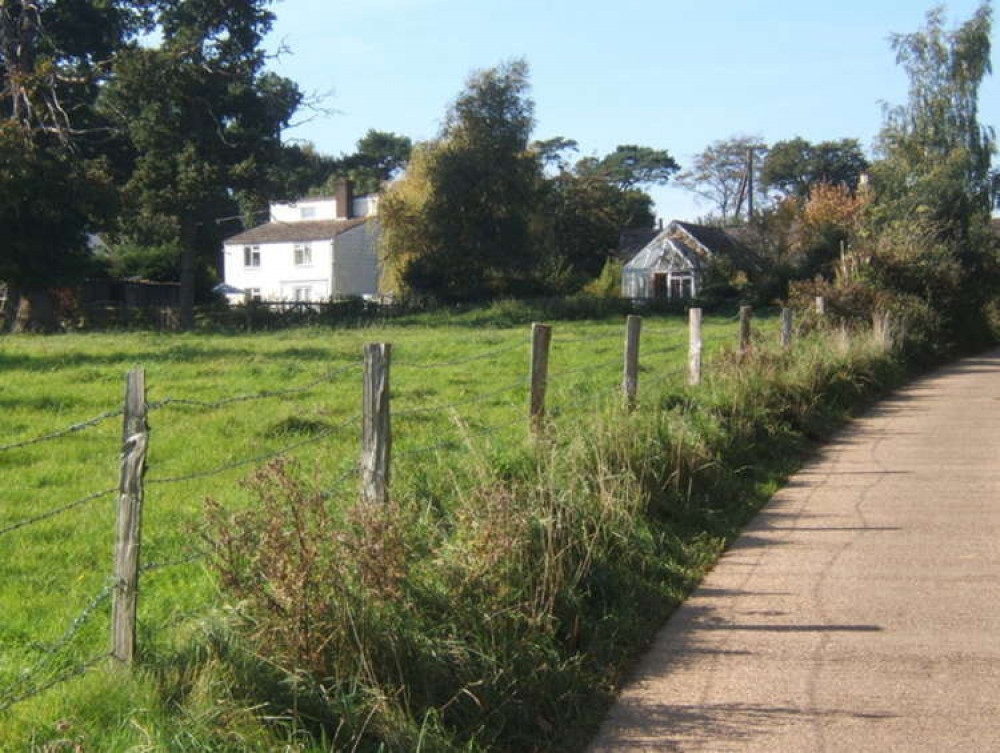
(632, 241)
(661, 248)
(290, 232)
(720, 242)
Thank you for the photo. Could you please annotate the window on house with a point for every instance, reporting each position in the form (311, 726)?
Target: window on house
(254, 294)
(303, 254)
(307, 213)
(251, 256)
(303, 294)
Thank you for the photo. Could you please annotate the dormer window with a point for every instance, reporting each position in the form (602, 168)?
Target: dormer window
(303, 254)
(307, 213)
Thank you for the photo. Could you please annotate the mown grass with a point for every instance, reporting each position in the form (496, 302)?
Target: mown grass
(50, 571)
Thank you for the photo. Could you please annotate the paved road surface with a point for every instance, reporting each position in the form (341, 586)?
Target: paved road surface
(860, 611)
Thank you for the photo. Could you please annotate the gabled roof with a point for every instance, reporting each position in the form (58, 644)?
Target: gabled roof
(662, 246)
(632, 241)
(718, 242)
(291, 232)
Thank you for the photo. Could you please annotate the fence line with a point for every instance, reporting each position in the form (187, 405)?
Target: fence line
(57, 511)
(375, 473)
(461, 361)
(256, 458)
(440, 408)
(62, 432)
(263, 395)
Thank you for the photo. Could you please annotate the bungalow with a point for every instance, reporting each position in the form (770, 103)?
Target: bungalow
(310, 250)
(672, 264)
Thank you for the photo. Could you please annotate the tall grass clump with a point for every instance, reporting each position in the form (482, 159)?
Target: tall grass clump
(498, 609)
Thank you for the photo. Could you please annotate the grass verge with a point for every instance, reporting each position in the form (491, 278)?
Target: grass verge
(499, 600)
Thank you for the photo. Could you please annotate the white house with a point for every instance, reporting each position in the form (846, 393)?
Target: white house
(673, 263)
(310, 250)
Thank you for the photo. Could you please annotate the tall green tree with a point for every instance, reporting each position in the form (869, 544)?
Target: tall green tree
(930, 220)
(795, 165)
(202, 119)
(630, 166)
(458, 225)
(379, 157)
(54, 185)
(719, 174)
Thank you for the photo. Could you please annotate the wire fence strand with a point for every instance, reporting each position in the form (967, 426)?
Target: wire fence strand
(62, 432)
(520, 384)
(263, 395)
(262, 457)
(56, 511)
(460, 361)
(76, 671)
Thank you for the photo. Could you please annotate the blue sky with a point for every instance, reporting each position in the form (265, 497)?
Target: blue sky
(672, 74)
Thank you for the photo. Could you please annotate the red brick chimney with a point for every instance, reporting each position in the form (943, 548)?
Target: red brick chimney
(344, 194)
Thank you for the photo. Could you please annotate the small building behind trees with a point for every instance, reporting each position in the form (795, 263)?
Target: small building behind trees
(676, 262)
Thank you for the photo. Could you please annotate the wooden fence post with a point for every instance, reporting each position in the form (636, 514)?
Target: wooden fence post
(746, 314)
(694, 347)
(541, 336)
(630, 384)
(376, 431)
(820, 305)
(135, 442)
(786, 328)
(248, 310)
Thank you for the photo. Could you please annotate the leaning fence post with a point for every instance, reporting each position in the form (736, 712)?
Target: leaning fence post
(376, 431)
(630, 383)
(746, 314)
(694, 347)
(135, 442)
(541, 336)
(786, 328)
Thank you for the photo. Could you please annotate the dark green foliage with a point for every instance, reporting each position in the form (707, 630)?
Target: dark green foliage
(379, 156)
(459, 227)
(795, 165)
(630, 166)
(202, 121)
(929, 224)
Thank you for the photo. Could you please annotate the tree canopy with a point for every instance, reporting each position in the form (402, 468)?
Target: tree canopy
(200, 120)
(458, 225)
(630, 166)
(719, 174)
(794, 166)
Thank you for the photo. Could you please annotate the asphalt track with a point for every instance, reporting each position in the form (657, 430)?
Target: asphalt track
(860, 610)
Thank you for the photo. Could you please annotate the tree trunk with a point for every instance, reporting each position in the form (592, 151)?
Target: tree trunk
(35, 312)
(188, 238)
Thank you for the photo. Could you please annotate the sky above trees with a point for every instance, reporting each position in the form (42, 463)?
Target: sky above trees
(674, 75)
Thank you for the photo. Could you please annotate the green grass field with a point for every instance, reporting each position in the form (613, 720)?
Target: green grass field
(457, 387)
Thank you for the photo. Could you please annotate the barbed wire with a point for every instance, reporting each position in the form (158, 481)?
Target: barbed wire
(53, 650)
(352, 470)
(457, 442)
(81, 619)
(264, 394)
(458, 403)
(589, 367)
(256, 458)
(459, 361)
(162, 564)
(57, 511)
(63, 432)
(57, 680)
(556, 340)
